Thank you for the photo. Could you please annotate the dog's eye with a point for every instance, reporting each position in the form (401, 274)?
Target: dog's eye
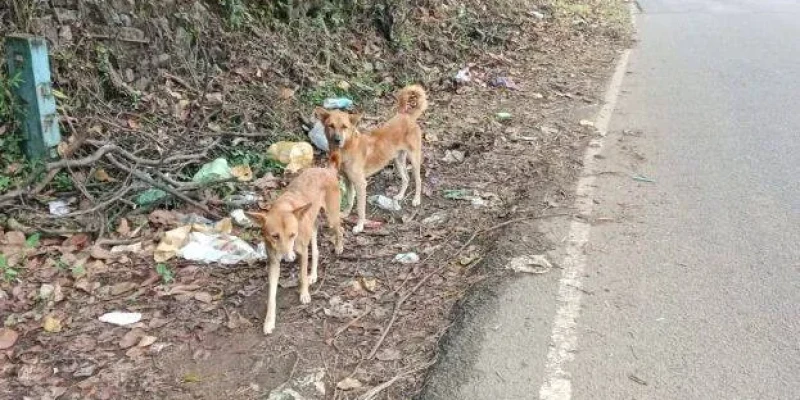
(293, 235)
(275, 235)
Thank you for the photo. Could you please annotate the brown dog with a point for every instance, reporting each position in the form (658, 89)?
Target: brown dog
(364, 155)
(289, 226)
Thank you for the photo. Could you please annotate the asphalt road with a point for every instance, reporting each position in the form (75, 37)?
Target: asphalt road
(690, 283)
(696, 291)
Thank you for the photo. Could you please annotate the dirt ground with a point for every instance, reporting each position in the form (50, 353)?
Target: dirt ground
(373, 325)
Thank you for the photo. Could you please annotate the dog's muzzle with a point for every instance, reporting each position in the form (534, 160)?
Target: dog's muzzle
(338, 140)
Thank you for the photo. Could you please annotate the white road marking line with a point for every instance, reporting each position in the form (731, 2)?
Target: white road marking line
(557, 384)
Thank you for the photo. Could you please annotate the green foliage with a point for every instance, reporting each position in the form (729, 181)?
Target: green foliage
(33, 240)
(165, 273)
(236, 13)
(256, 159)
(12, 160)
(8, 273)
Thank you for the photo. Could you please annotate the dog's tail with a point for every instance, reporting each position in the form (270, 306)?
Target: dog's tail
(412, 100)
(334, 160)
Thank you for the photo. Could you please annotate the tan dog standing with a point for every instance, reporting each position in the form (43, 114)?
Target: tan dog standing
(364, 155)
(289, 227)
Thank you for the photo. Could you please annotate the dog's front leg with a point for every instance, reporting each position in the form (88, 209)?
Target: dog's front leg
(361, 189)
(274, 274)
(312, 279)
(351, 197)
(302, 251)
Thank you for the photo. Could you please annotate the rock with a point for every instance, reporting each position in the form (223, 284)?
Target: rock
(453, 156)
(65, 15)
(129, 77)
(436, 218)
(349, 384)
(85, 371)
(65, 34)
(32, 374)
(161, 59)
(133, 34)
(46, 291)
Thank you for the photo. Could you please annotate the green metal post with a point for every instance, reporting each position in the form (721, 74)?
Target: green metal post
(26, 56)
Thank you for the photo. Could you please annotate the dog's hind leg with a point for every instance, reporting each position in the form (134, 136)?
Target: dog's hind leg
(416, 166)
(400, 166)
(332, 204)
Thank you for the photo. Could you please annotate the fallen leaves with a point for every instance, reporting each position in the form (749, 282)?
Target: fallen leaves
(203, 297)
(8, 337)
(51, 324)
(131, 338)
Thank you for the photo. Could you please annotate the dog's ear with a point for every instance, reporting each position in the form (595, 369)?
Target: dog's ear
(321, 114)
(354, 118)
(257, 217)
(301, 211)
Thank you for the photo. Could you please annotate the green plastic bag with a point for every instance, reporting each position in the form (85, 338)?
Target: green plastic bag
(216, 170)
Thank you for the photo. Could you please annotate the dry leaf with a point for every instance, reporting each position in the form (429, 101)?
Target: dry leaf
(124, 228)
(388, 355)
(78, 241)
(131, 338)
(146, 341)
(204, 297)
(8, 337)
(267, 181)
(62, 149)
(242, 173)
(133, 124)
(100, 253)
(15, 238)
(348, 384)
(163, 217)
(286, 93)
(171, 242)
(122, 287)
(369, 283)
(51, 324)
(103, 176)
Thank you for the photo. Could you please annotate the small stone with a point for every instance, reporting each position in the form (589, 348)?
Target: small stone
(65, 15)
(65, 34)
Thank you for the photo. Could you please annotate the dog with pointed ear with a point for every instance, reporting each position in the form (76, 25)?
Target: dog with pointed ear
(289, 229)
(399, 139)
(340, 126)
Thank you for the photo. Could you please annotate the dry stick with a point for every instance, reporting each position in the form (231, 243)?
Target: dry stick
(352, 322)
(437, 270)
(38, 188)
(141, 176)
(372, 393)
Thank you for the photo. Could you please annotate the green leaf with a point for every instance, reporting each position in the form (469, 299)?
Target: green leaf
(33, 240)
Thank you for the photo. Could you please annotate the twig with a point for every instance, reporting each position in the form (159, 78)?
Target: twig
(83, 161)
(121, 39)
(372, 393)
(141, 176)
(23, 191)
(352, 322)
(179, 81)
